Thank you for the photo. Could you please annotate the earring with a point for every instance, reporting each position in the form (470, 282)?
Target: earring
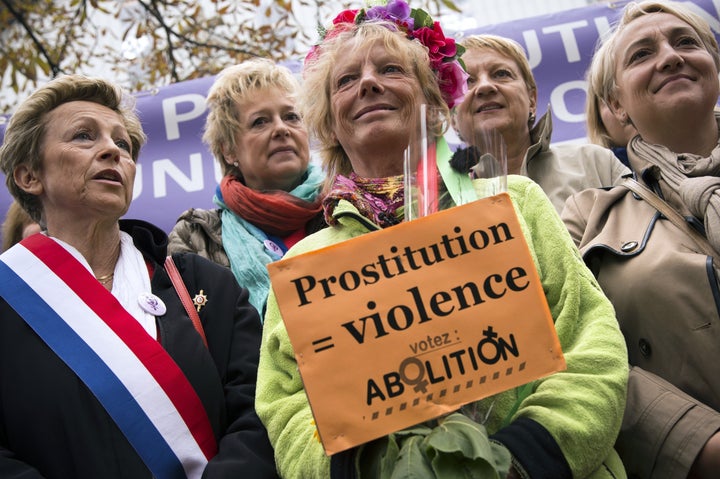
(235, 164)
(531, 118)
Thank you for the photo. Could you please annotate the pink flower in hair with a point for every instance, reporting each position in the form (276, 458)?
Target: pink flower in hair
(453, 82)
(439, 46)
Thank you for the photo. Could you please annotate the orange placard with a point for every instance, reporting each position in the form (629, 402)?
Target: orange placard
(402, 325)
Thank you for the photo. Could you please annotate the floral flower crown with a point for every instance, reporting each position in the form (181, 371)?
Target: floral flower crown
(417, 24)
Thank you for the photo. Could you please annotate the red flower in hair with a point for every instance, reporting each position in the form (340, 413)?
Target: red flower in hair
(346, 16)
(439, 46)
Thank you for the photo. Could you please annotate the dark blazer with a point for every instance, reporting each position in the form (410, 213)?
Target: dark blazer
(52, 426)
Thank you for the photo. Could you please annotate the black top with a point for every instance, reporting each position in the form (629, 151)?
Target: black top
(52, 426)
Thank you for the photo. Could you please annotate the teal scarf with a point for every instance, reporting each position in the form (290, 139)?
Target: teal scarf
(244, 243)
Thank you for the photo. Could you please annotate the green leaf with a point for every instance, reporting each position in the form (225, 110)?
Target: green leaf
(502, 458)
(458, 433)
(421, 18)
(456, 448)
(419, 429)
(451, 5)
(456, 466)
(460, 444)
(412, 463)
(389, 459)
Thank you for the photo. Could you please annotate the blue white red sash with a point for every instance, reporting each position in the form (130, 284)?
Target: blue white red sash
(132, 376)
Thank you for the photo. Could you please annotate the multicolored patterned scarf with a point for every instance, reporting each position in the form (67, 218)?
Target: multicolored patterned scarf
(377, 199)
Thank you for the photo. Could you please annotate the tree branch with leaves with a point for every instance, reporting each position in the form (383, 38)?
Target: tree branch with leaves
(143, 44)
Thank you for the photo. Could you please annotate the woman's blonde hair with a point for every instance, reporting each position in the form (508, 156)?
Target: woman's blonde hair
(506, 47)
(26, 129)
(606, 57)
(596, 130)
(315, 101)
(239, 84)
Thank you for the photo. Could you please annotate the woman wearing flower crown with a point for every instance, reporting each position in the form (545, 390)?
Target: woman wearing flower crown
(363, 85)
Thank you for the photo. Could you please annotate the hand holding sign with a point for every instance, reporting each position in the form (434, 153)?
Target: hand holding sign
(417, 319)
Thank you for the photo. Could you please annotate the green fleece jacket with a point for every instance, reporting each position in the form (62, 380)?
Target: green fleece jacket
(568, 423)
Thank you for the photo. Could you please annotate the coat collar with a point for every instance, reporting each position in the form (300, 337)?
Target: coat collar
(346, 214)
(148, 238)
(540, 136)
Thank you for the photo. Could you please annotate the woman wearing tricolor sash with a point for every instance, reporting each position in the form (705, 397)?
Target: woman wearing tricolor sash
(103, 373)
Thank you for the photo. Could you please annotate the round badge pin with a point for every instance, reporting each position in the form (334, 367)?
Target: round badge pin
(152, 304)
(271, 246)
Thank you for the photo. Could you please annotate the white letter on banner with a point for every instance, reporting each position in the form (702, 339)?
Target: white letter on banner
(167, 167)
(534, 52)
(559, 107)
(173, 118)
(137, 185)
(568, 38)
(218, 171)
(603, 27)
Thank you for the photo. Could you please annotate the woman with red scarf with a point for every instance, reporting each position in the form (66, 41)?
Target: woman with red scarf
(269, 196)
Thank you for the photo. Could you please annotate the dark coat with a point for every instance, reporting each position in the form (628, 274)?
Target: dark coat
(52, 426)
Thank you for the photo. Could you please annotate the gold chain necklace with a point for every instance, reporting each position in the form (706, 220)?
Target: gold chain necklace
(105, 279)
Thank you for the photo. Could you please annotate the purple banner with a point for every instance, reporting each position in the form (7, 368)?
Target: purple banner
(176, 171)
